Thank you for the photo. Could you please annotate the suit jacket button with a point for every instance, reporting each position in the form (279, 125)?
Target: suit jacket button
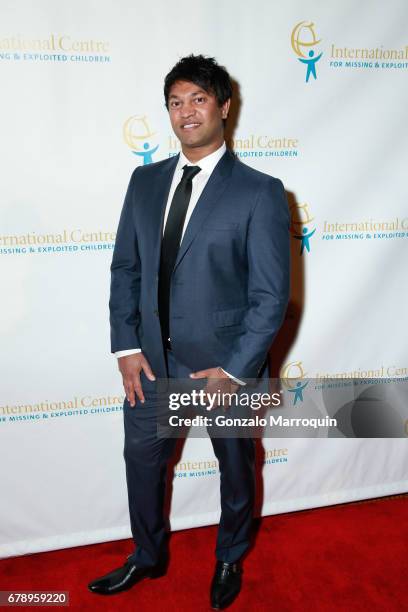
(156, 312)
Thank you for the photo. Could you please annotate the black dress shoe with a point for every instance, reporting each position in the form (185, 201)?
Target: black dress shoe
(226, 584)
(125, 577)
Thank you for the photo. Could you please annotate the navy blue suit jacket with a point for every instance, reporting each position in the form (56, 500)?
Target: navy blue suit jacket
(230, 284)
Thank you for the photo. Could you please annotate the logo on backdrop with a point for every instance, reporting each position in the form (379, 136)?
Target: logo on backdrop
(209, 467)
(292, 376)
(54, 47)
(196, 468)
(376, 372)
(300, 225)
(76, 406)
(367, 229)
(140, 138)
(65, 241)
(305, 43)
(253, 145)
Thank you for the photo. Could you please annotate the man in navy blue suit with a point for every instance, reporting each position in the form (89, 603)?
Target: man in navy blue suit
(200, 285)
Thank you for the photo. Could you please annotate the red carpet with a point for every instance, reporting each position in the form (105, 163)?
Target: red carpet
(349, 557)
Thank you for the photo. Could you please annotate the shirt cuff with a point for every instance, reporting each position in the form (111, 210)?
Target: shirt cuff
(127, 352)
(236, 380)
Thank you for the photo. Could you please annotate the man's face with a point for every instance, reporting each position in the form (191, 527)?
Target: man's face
(195, 116)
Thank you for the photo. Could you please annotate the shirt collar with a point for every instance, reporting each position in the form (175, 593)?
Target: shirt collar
(207, 163)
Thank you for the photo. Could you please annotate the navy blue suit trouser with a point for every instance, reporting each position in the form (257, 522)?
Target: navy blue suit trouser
(146, 457)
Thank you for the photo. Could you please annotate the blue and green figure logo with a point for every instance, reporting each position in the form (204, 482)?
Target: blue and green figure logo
(140, 138)
(300, 226)
(303, 38)
(292, 376)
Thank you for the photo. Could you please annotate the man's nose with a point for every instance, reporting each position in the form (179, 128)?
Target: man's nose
(187, 110)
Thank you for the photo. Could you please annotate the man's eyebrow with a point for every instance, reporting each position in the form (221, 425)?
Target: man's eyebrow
(199, 91)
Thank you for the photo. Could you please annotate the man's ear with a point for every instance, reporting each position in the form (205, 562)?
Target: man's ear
(225, 108)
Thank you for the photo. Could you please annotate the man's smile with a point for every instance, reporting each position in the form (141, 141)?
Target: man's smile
(190, 126)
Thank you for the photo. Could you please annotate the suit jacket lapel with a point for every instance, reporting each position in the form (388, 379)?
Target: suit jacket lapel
(216, 185)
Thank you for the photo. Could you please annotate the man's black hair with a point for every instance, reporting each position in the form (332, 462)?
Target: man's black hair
(204, 72)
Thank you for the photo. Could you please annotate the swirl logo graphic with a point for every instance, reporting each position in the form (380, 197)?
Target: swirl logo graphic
(138, 136)
(303, 39)
(292, 375)
(300, 225)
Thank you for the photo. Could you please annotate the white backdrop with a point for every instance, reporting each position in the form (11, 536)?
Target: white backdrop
(81, 95)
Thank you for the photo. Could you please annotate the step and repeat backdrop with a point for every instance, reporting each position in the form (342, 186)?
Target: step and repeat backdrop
(321, 104)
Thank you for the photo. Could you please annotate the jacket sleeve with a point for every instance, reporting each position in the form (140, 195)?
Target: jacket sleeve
(268, 252)
(125, 279)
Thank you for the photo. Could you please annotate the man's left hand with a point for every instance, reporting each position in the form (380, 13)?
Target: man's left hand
(218, 382)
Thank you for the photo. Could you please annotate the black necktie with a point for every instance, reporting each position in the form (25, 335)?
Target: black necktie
(171, 242)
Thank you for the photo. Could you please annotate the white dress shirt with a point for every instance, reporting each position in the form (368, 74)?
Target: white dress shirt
(207, 165)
